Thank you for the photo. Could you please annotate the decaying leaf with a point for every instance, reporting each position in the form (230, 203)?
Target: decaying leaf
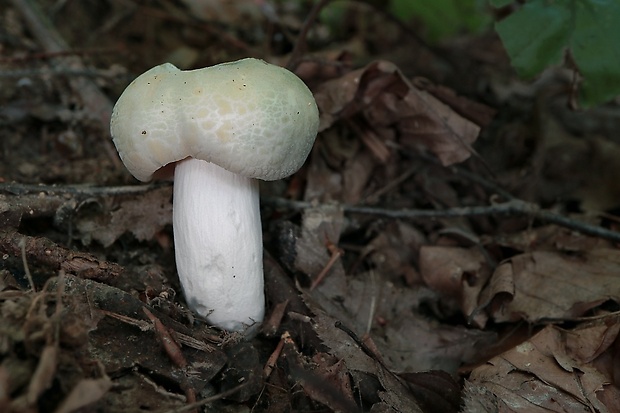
(458, 274)
(386, 99)
(322, 381)
(408, 341)
(44, 374)
(85, 392)
(553, 285)
(143, 216)
(321, 227)
(436, 390)
(543, 374)
(395, 393)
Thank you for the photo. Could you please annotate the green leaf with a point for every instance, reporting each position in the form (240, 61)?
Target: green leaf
(537, 36)
(443, 18)
(500, 3)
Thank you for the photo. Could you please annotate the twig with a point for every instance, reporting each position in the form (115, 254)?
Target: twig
(457, 170)
(369, 352)
(141, 324)
(42, 251)
(373, 302)
(336, 253)
(173, 350)
(170, 345)
(183, 339)
(207, 27)
(372, 198)
(207, 400)
(273, 358)
(86, 189)
(22, 246)
(19, 201)
(512, 207)
(300, 46)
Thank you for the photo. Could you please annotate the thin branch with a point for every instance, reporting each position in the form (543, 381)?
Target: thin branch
(85, 189)
(42, 251)
(207, 400)
(301, 45)
(512, 207)
(457, 170)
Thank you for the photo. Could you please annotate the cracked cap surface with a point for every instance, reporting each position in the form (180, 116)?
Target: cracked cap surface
(250, 117)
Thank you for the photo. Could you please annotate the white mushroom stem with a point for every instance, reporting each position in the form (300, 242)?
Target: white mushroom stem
(218, 244)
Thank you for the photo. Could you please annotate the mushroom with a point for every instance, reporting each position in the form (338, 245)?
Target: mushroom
(223, 126)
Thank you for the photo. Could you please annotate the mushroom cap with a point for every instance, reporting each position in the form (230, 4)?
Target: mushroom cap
(249, 117)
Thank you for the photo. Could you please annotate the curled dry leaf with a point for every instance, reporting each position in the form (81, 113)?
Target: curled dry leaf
(477, 112)
(544, 374)
(551, 285)
(387, 100)
(457, 273)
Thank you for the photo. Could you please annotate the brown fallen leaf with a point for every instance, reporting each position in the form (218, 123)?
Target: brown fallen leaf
(396, 394)
(550, 238)
(407, 340)
(436, 390)
(388, 100)
(459, 274)
(44, 374)
(85, 392)
(551, 285)
(394, 251)
(328, 383)
(143, 215)
(477, 112)
(410, 342)
(321, 227)
(542, 374)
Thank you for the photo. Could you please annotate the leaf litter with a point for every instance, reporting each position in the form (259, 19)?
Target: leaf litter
(366, 312)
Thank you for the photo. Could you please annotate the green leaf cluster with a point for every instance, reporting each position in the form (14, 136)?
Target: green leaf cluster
(443, 18)
(538, 35)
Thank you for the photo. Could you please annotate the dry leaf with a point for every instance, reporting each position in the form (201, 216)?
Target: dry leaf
(321, 226)
(328, 383)
(396, 394)
(44, 374)
(85, 392)
(143, 215)
(456, 273)
(386, 99)
(545, 284)
(541, 375)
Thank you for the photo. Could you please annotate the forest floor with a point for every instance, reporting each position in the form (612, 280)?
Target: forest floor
(449, 245)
